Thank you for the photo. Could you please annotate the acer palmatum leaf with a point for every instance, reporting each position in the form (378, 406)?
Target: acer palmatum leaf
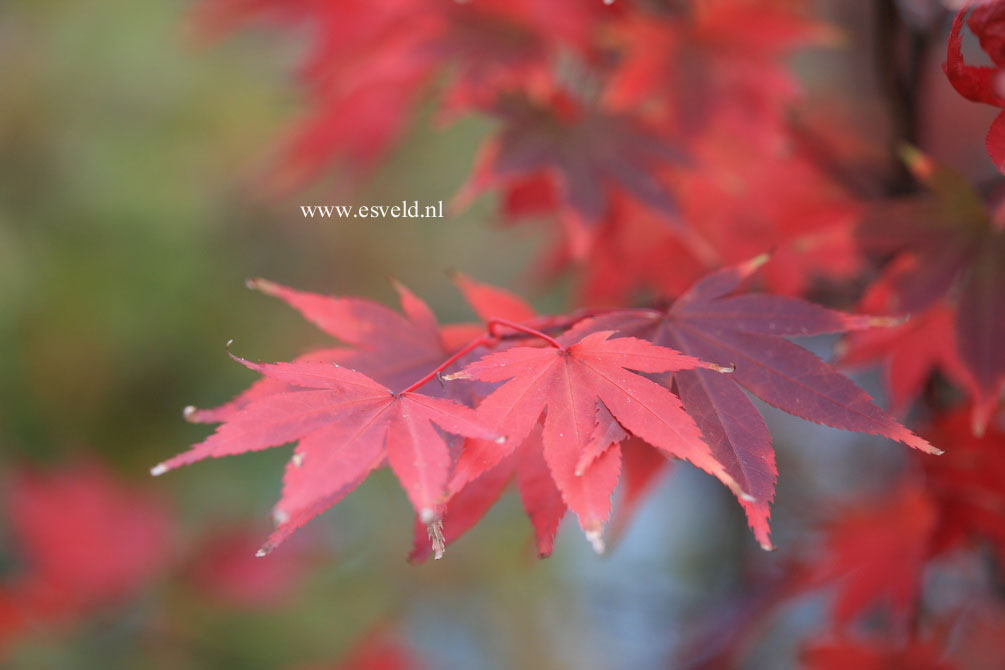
(981, 83)
(391, 348)
(747, 331)
(566, 383)
(347, 424)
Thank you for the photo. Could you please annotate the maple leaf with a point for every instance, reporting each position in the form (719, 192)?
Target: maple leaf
(727, 214)
(85, 540)
(589, 154)
(711, 58)
(788, 205)
(368, 64)
(224, 567)
(391, 348)
(586, 389)
(748, 332)
(490, 302)
(365, 70)
(875, 554)
(347, 424)
(495, 47)
(948, 244)
(910, 352)
(981, 83)
(967, 484)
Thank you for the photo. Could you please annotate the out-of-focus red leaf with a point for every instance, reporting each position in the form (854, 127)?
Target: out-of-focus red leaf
(83, 539)
(876, 553)
(967, 483)
(886, 655)
(947, 246)
(981, 83)
(226, 569)
(910, 352)
(379, 650)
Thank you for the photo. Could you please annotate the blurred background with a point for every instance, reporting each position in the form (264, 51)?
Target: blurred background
(130, 218)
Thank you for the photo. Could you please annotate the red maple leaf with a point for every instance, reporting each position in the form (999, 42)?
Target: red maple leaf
(703, 60)
(394, 350)
(948, 245)
(586, 389)
(910, 352)
(748, 331)
(967, 484)
(224, 568)
(981, 83)
(587, 155)
(369, 64)
(875, 554)
(84, 540)
(347, 425)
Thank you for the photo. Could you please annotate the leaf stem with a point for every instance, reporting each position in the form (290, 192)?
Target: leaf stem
(468, 348)
(505, 323)
(490, 339)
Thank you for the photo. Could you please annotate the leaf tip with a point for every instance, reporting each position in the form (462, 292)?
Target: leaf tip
(262, 553)
(925, 446)
(751, 266)
(188, 412)
(435, 532)
(596, 539)
(887, 321)
(917, 161)
(158, 469)
(262, 285)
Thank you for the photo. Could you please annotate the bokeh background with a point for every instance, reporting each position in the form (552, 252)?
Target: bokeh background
(131, 214)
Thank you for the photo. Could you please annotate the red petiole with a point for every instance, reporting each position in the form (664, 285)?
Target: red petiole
(485, 340)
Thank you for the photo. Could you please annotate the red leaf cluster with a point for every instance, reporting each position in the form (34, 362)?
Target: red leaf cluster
(628, 124)
(554, 416)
